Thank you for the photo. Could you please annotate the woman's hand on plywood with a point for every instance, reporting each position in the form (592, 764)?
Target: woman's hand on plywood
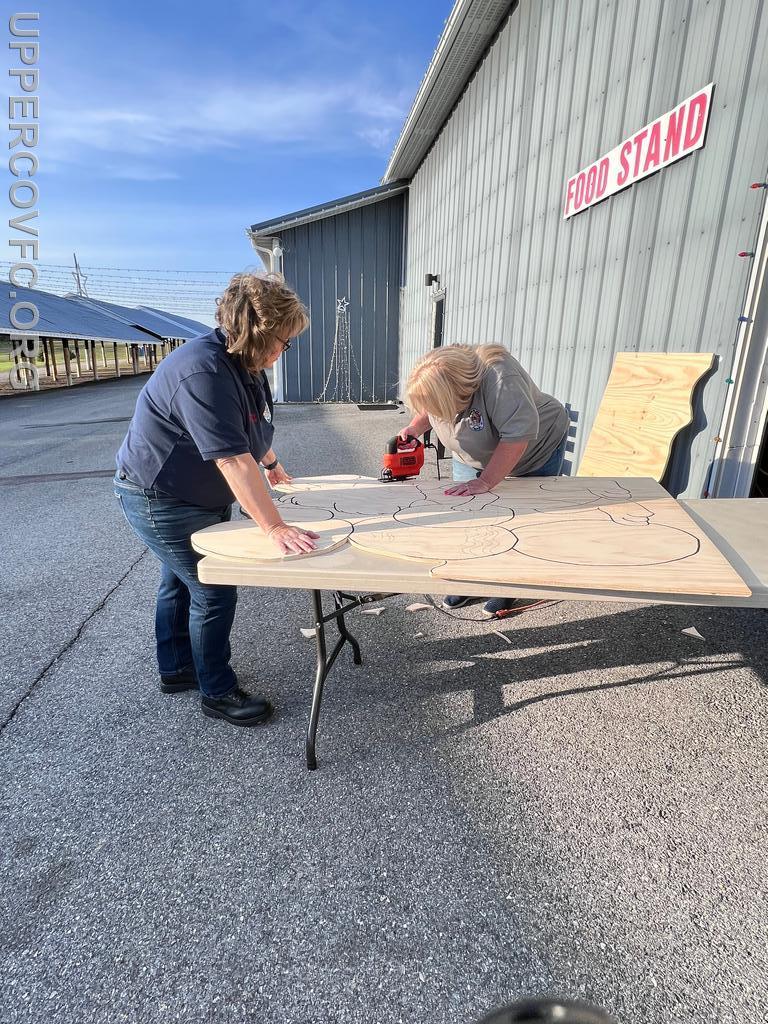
(278, 475)
(476, 486)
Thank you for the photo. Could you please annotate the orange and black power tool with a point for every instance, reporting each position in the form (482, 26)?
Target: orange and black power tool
(402, 458)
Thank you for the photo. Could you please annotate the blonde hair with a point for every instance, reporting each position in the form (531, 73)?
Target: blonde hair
(443, 381)
(252, 310)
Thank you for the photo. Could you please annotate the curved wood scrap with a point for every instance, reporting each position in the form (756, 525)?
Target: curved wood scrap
(245, 541)
(646, 403)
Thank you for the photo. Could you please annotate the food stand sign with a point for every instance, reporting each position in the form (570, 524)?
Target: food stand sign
(667, 139)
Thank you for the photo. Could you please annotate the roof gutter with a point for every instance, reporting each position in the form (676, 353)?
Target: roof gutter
(468, 32)
(265, 231)
(268, 248)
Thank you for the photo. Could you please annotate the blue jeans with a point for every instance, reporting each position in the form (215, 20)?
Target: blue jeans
(192, 619)
(552, 467)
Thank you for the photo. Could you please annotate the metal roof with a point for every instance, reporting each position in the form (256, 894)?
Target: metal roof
(161, 325)
(468, 32)
(194, 326)
(270, 228)
(64, 318)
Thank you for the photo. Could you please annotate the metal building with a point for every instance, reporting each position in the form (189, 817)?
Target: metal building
(517, 99)
(347, 251)
(70, 321)
(155, 321)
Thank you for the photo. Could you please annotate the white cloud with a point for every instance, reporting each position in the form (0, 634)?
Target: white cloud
(378, 138)
(345, 114)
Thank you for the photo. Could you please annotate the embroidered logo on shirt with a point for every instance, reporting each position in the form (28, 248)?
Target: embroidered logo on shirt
(253, 417)
(476, 421)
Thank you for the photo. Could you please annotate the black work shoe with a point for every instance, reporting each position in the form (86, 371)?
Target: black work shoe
(238, 707)
(179, 683)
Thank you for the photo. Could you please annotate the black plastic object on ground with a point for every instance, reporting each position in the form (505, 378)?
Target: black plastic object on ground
(548, 1011)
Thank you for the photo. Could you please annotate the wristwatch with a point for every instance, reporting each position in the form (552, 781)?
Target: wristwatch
(271, 464)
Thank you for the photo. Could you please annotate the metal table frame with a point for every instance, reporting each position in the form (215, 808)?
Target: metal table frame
(324, 660)
(737, 526)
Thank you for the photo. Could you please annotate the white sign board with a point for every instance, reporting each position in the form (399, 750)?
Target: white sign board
(667, 139)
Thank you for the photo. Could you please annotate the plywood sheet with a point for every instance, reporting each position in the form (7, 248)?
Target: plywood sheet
(736, 526)
(601, 533)
(247, 542)
(653, 546)
(647, 401)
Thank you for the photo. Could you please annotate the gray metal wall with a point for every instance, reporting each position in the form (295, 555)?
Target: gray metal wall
(653, 268)
(357, 255)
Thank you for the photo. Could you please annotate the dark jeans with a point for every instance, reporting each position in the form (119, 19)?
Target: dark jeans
(552, 467)
(192, 619)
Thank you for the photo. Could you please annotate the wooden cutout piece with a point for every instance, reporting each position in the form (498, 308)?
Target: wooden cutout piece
(647, 401)
(603, 533)
(434, 543)
(300, 484)
(610, 548)
(600, 533)
(245, 541)
(361, 498)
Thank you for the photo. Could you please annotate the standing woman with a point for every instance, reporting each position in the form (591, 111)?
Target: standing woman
(202, 425)
(490, 415)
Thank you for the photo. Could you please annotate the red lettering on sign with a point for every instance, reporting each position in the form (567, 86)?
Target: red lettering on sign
(654, 146)
(589, 193)
(674, 133)
(695, 124)
(569, 196)
(638, 149)
(671, 136)
(602, 178)
(579, 190)
(623, 174)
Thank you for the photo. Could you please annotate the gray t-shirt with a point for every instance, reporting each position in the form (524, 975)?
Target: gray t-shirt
(506, 407)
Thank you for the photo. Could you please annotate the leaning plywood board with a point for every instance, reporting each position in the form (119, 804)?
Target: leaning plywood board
(647, 401)
(245, 540)
(606, 534)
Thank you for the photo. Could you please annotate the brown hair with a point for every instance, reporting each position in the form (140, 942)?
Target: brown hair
(253, 310)
(442, 383)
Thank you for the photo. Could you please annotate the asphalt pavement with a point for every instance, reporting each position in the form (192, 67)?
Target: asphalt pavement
(580, 811)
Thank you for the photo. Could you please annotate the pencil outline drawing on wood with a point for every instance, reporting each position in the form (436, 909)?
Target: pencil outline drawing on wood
(548, 531)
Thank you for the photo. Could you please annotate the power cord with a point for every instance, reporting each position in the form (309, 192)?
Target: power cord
(472, 618)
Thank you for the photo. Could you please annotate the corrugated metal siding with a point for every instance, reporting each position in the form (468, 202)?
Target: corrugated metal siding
(357, 255)
(653, 268)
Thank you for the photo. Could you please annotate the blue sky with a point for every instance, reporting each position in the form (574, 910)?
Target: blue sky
(168, 127)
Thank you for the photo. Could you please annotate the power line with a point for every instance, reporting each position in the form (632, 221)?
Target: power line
(123, 279)
(137, 270)
(175, 291)
(100, 294)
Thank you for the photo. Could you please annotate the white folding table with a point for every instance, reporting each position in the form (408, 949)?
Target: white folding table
(737, 527)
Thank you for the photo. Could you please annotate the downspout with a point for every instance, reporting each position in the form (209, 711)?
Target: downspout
(746, 404)
(271, 256)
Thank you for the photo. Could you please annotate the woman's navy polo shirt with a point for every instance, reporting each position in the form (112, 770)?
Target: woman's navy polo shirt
(200, 404)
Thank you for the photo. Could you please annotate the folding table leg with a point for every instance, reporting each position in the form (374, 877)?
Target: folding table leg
(324, 660)
(341, 622)
(320, 674)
